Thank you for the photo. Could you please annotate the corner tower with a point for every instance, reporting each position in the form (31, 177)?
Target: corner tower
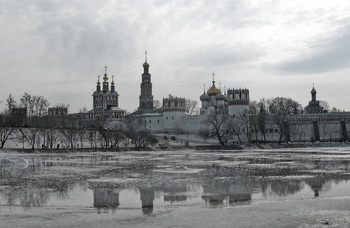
(146, 97)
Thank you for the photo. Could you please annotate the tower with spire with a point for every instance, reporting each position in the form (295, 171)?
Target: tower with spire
(146, 96)
(314, 105)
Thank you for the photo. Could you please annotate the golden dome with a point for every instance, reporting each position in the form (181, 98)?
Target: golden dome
(146, 64)
(313, 91)
(213, 90)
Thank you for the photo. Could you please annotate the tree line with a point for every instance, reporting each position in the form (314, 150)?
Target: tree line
(37, 129)
(255, 122)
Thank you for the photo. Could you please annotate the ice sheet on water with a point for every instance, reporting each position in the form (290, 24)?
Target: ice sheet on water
(178, 169)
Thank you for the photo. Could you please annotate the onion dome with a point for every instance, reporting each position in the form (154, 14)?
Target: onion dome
(212, 91)
(146, 64)
(220, 96)
(313, 91)
(204, 97)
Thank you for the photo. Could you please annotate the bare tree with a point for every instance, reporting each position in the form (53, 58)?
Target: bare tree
(35, 105)
(204, 133)
(334, 109)
(30, 134)
(11, 103)
(69, 130)
(324, 105)
(262, 122)
(237, 127)
(52, 136)
(191, 106)
(40, 105)
(243, 118)
(156, 104)
(219, 126)
(91, 137)
(5, 129)
(118, 136)
(26, 102)
(280, 107)
(83, 110)
(253, 118)
(138, 134)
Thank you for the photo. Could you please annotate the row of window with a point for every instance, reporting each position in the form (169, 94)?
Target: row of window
(158, 121)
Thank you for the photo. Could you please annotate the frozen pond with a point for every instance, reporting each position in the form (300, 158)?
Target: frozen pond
(265, 188)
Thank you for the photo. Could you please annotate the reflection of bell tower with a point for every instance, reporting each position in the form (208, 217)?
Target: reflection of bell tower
(147, 198)
(146, 97)
(316, 185)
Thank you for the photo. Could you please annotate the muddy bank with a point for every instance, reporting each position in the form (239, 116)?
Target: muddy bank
(210, 147)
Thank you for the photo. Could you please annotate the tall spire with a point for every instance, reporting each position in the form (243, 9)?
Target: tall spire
(213, 90)
(112, 84)
(146, 97)
(313, 93)
(145, 65)
(98, 86)
(105, 80)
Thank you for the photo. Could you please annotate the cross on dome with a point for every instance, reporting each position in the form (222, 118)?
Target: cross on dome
(106, 69)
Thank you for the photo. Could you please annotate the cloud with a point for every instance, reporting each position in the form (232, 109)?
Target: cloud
(59, 47)
(330, 54)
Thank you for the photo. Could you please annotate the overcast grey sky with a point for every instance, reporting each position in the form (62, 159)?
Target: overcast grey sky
(56, 48)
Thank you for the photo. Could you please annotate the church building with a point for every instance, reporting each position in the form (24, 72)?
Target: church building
(232, 102)
(105, 100)
(314, 105)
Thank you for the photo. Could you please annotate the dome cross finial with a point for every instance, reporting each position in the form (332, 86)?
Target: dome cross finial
(112, 80)
(146, 56)
(106, 69)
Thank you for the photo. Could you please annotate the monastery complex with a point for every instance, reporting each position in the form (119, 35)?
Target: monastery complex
(313, 125)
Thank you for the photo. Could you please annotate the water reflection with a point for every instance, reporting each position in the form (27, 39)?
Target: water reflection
(147, 198)
(216, 186)
(25, 195)
(106, 199)
(176, 193)
(217, 192)
(212, 193)
(316, 184)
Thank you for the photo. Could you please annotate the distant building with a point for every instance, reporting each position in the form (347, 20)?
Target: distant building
(232, 103)
(105, 101)
(19, 112)
(146, 96)
(172, 116)
(58, 111)
(314, 105)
